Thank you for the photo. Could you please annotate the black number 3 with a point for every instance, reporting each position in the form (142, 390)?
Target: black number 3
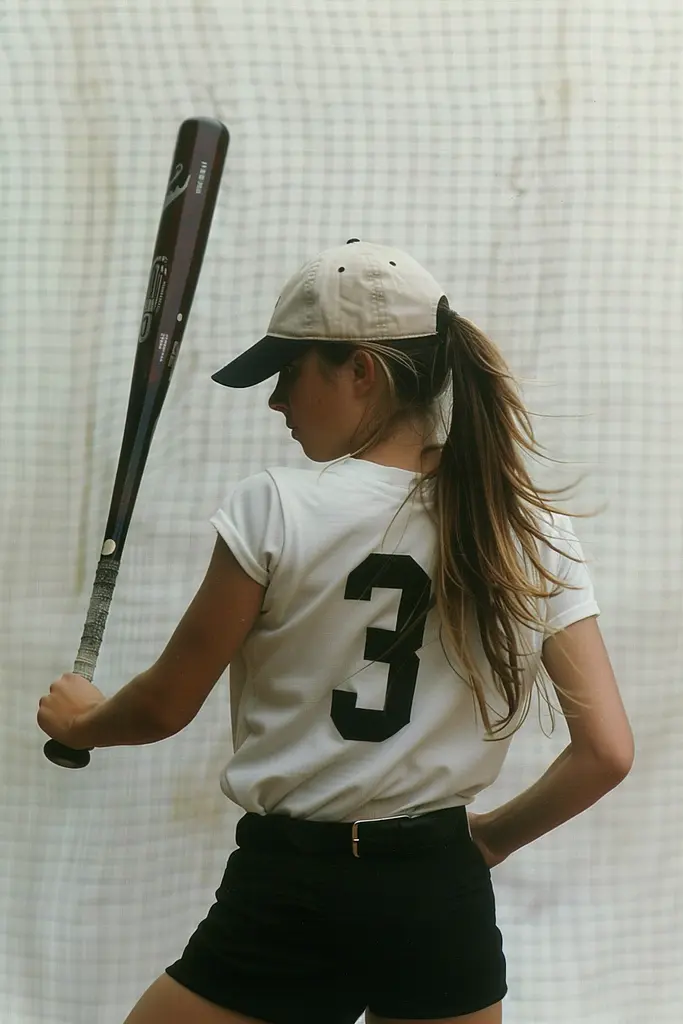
(396, 648)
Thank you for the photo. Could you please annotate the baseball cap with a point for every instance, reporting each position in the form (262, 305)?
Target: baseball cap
(355, 292)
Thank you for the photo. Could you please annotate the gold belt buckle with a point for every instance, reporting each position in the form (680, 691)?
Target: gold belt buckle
(355, 838)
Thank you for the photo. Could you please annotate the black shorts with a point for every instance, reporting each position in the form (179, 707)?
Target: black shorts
(305, 931)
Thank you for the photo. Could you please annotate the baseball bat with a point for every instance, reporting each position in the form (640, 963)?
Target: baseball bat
(189, 203)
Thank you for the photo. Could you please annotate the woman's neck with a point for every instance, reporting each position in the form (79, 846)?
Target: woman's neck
(408, 447)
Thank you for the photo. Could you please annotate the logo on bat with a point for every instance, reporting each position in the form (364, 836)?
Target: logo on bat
(200, 177)
(156, 289)
(175, 190)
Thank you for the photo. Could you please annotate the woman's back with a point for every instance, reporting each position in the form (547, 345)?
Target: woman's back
(354, 713)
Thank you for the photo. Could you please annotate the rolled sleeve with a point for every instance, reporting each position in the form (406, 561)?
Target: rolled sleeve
(251, 524)
(575, 598)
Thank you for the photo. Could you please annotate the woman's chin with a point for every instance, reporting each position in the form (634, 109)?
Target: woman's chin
(316, 453)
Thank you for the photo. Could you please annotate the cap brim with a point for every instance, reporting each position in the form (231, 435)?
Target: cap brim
(263, 360)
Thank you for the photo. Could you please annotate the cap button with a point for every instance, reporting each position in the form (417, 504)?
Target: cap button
(352, 240)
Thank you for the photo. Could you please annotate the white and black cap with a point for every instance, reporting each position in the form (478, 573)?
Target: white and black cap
(355, 292)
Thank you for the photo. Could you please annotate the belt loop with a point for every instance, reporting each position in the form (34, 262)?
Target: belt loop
(354, 839)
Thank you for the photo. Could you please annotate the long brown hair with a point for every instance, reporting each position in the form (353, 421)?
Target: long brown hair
(488, 512)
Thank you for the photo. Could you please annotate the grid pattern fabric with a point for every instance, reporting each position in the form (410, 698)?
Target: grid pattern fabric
(529, 155)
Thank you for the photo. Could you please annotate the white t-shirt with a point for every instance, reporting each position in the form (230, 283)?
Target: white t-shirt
(322, 729)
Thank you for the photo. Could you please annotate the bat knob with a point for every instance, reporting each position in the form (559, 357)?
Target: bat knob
(64, 756)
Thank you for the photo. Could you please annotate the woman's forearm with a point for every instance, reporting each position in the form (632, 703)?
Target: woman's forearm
(128, 718)
(573, 782)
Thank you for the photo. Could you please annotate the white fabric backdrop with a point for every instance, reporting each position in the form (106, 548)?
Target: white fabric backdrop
(530, 156)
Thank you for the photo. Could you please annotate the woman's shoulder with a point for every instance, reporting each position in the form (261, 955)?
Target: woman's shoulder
(560, 539)
(555, 524)
(274, 480)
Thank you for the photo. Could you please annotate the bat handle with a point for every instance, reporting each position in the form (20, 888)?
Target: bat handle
(89, 649)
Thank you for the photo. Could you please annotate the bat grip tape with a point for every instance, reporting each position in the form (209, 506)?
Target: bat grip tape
(96, 619)
(86, 659)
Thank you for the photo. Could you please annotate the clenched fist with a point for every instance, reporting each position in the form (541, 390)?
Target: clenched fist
(61, 710)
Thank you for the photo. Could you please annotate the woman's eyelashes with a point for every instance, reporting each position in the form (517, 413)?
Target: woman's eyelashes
(289, 372)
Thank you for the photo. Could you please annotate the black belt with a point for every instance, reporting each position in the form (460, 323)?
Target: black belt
(403, 835)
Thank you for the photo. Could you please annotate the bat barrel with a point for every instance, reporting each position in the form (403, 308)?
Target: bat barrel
(192, 191)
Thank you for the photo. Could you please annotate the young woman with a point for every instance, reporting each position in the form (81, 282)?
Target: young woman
(387, 618)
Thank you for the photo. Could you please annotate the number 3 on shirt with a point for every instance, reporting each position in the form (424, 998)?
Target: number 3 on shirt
(396, 648)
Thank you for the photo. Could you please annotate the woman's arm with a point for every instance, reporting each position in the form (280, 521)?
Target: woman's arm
(165, 698)
(598, 758)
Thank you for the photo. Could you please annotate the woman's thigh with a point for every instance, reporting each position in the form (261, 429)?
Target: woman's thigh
(167, 1002)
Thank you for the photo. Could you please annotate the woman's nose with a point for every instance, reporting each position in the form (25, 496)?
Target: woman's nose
(277, 402)
(277, 399)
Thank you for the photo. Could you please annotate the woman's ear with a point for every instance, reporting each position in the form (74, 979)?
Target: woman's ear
(364, 371)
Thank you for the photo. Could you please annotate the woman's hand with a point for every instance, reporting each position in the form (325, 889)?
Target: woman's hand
(479, 837)
(60, 712)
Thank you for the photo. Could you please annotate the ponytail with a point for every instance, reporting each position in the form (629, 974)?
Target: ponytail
(490, 575)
